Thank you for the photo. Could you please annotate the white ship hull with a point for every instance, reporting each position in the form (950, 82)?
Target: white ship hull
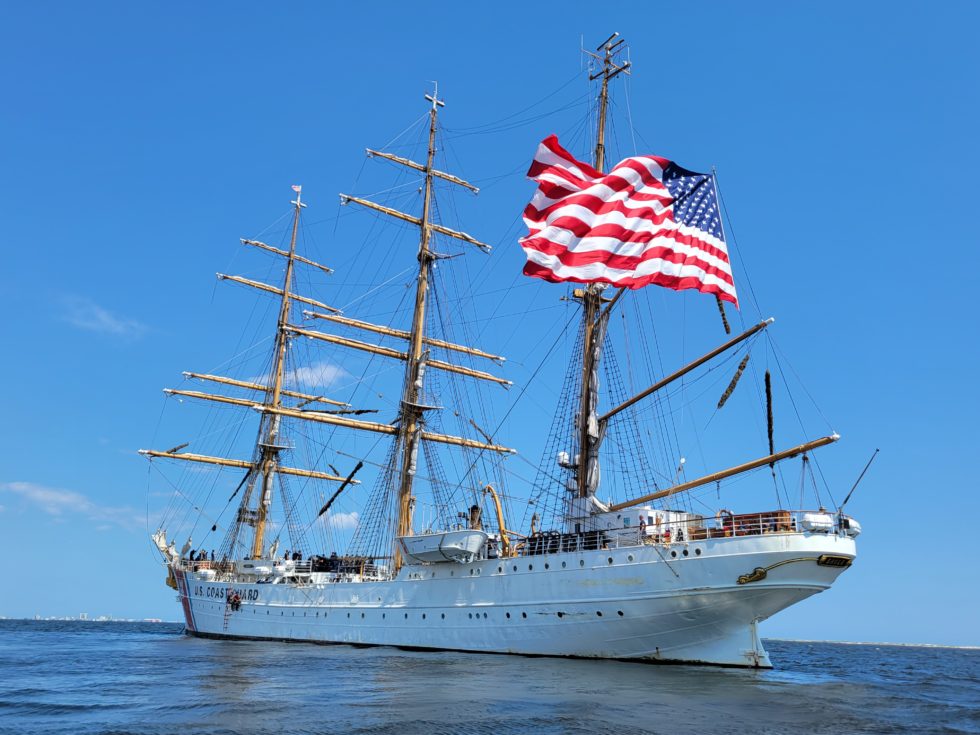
(634, 602)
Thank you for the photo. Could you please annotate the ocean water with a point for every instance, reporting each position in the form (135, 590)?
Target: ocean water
(87, 677)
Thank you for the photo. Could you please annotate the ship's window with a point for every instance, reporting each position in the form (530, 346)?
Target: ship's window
(362, 615)
(530, 567)
(451, 573)
(673, 554)
(515, 567)
(406, 616)
(609, 560)
(697, 552)
(384, 615)
(563, 565)
(547, 566)
(629, 558)
(444, 616)
(471, 572)
(508, 616)
(523, 614)
(282, 612)
(423, 616)
(348, 614)
(598, 613)
(500, 570)
(581, 562)
(684, 552)
(484, 616)
(478, 571)
(471, 615)
(561, 615)
(318, 614)
(619, 613)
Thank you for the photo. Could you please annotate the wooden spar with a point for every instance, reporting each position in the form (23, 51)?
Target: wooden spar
(277, 251)
(768, 459)
(686, 369)
(381, 428)
(418, 221)
(390, 352)
(212, 397)
(240, 463)
(420, 167)
(346, 342)
(402, 334)
(264, 388)
(278, 291)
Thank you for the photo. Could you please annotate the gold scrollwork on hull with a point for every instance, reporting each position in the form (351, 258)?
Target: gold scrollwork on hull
(760, 573)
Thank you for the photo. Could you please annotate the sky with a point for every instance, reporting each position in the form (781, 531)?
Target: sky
(138, 141)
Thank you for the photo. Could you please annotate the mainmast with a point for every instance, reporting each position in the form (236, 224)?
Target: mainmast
(269, 446)
(593, 317)
(411, 411)
(410, 430)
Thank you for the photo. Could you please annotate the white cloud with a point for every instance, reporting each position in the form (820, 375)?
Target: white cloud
(62, 504)
(343, 521)
(317, 375)
(86, 314)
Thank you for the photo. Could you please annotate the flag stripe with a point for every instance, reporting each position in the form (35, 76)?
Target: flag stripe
(646, 221)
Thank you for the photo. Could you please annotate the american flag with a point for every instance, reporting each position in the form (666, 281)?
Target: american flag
(297, 188)
(646, 221)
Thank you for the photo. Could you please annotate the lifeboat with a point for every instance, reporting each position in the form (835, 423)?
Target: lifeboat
(459, 546)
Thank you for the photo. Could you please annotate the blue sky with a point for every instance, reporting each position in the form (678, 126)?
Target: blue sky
(139, 141)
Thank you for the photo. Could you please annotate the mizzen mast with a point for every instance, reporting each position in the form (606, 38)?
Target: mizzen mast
(594, 318)
(269, 446)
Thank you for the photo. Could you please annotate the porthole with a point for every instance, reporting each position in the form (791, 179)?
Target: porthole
(684, 552)
(348, 614)
(443, 616)
(697, 552)
(530, 567)
(362, 616)
(547, 566)
(423, 616)
(471, 572)
(581, 562)
(673, 554)
(629, 558)
(619, 613)
(609, 560)
(515, 567)
(561, 614)
(479, 572)
(508, 616)
(523, 614)
(500, 570)
(433, 575)
(471, 615)
(598, 613)
(318, 614)
(563, 565)
(452, 573)
(384, 615)
(484, 616)
(406, 616)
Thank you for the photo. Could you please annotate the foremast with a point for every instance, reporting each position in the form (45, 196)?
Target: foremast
(594, 317)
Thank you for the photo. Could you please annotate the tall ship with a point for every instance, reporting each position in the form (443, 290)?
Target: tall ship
(388, 516)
